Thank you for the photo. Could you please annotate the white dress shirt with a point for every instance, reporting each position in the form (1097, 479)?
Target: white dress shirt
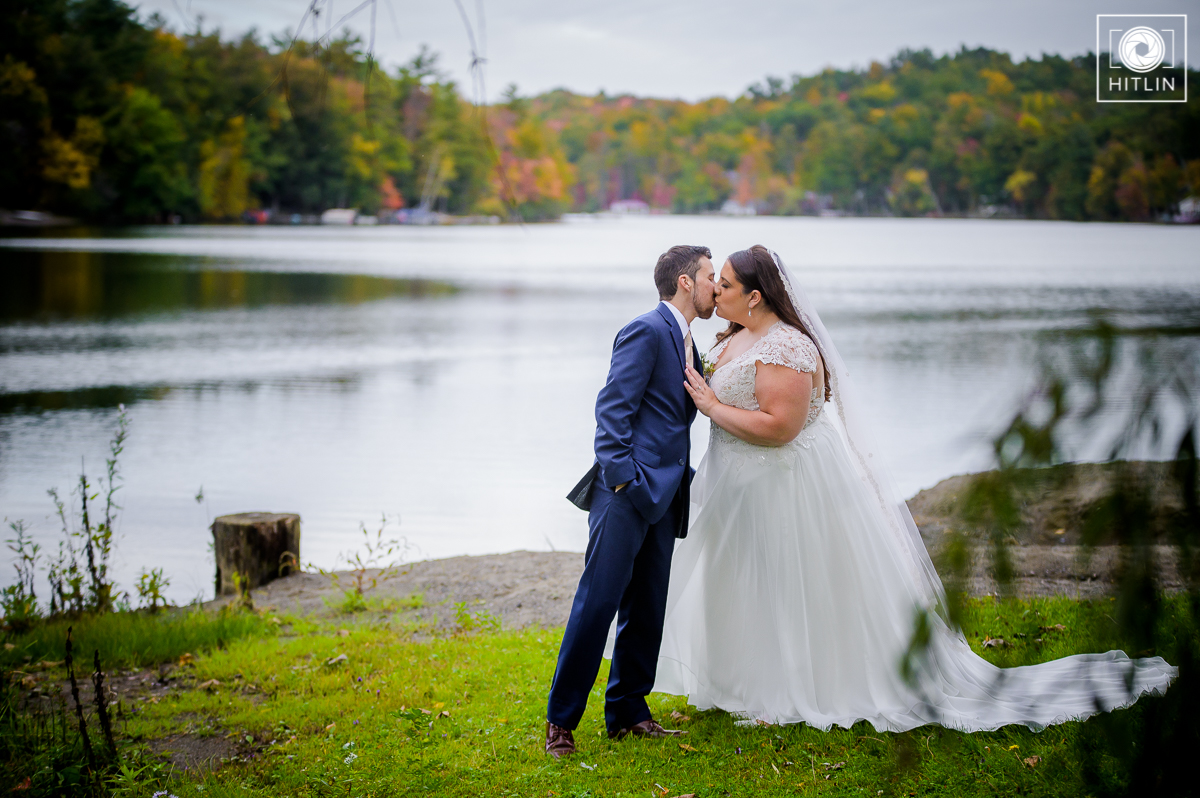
(683, 325)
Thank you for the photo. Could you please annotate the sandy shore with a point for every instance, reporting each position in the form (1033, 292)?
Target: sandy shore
(528, 588)
(532, 588)
(523, 588)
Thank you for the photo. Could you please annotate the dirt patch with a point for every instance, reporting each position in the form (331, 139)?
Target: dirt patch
(523, 588)
(191, 753)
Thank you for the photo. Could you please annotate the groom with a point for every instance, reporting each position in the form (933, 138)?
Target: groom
(637, 500)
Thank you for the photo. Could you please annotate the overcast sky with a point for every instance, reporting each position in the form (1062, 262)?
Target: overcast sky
(674, 48)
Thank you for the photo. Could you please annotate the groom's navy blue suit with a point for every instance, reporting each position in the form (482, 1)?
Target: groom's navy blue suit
(643, 416)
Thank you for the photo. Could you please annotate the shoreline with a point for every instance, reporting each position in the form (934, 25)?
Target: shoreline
(533, 588)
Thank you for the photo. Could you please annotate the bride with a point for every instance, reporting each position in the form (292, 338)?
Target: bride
(795, 595)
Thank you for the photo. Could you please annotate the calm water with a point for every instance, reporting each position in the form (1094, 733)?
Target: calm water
(447, 375)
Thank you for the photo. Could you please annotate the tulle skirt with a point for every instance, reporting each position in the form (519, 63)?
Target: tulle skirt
(790, 601)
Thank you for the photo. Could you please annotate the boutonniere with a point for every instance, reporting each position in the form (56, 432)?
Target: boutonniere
(707, 366)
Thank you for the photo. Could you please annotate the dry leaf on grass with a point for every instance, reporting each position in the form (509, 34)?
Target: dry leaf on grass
(686, 747)
(186, 659)
(338, 660)
(833, 766)
(211, 684)
(679, 717)
(1032, 761)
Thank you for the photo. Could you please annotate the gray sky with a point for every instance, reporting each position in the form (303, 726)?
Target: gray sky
(690, 50)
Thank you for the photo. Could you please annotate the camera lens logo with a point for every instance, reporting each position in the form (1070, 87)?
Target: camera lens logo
(1141, 49)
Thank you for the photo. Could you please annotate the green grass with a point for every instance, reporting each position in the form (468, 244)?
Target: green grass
(298, 720)
(132, 639)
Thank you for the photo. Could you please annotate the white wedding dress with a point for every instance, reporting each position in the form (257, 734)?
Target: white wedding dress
(793, 598)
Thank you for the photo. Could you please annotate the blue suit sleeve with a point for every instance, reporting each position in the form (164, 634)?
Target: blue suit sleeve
(635, 352)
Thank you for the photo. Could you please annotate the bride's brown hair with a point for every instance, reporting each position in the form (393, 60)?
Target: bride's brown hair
(755, 269)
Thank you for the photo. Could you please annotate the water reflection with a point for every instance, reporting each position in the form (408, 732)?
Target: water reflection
(79, 399)
(57, 285)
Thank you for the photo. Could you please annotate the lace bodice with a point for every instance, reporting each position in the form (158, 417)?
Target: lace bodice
(782, 345)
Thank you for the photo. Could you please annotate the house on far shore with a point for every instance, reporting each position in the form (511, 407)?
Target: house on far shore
(734, 208)
(1189, 211)
(339, 216)
(630, 206)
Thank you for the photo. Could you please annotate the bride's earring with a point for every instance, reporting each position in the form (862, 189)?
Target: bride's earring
(750, 312)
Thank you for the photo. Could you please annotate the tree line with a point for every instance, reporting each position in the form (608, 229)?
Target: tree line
(116, 119)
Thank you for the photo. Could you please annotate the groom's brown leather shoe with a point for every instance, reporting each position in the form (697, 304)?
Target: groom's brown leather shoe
(647, 728)
(559, 741)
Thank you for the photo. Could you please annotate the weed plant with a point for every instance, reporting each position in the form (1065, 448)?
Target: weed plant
(378, 560)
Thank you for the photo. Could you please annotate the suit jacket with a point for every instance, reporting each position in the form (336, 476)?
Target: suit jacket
(643, 420)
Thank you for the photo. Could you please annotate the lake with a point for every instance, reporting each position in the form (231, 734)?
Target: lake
(446, 376)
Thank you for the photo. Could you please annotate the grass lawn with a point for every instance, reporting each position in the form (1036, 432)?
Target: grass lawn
(371, 710)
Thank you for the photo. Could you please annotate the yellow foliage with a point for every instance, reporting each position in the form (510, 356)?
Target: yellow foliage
(173, 44)
(998, 84)
(876, 115)
(959, 99)
(883, 92)
(1029, 123)
(62, 163)
(1038, 101)
(72, 162)
(1018, 182)
(362, 155)
(813, 96)
(547, 179)
(528, 139)
(18, 79)
(905, 114)
(224, 178)
(491, 205)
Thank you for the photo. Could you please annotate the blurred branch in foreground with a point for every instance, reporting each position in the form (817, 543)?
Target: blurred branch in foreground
(1122, 396)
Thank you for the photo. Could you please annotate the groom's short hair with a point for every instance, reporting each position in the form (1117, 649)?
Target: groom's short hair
(680, 259)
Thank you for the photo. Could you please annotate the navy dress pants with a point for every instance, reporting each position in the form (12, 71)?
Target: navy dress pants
(626, 569)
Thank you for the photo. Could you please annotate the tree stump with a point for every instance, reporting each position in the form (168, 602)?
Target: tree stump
(258, 546)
